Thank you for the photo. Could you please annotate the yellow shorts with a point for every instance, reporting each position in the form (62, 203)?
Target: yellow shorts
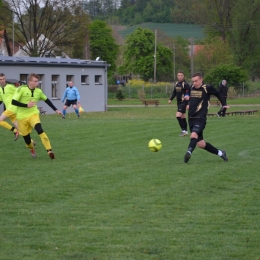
(10, 115)
(26, 125)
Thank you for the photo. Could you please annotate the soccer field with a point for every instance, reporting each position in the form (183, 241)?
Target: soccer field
(106, 196)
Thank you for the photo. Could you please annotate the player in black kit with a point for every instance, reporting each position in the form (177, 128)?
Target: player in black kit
(181, 89)
(223, 90)
(198, 109)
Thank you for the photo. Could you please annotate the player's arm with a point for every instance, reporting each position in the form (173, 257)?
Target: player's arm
(78, 95)
(20, 104)
(50, 104)
(64, 95)
(187, 91)
(172, 96)
(212, 90)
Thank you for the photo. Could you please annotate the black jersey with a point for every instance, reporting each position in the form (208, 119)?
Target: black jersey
(199, 101)
(179, 91)
(223, 90)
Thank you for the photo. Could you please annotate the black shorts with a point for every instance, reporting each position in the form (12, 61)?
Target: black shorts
(71, 102)
(182, 107)
(197, 125)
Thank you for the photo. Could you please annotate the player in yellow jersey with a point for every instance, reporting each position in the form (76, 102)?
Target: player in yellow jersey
(6, 95)
(26, 98)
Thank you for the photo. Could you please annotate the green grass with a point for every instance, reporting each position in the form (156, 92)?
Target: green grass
(171, 29)
(106, 196)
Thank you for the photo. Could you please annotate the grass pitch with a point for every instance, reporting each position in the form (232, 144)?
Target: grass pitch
(106, 196)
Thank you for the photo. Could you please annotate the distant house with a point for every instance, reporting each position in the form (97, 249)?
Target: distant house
(90, 77)
(196, 49)
(42, 43)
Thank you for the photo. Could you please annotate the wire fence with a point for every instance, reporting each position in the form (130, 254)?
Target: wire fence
(150, 92)
(153, 91)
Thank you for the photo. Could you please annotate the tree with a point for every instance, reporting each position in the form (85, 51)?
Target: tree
(41, 26)
(214, 52)
(233, 74)
(80, 35)
(245, 36)
(139, 11)
(181, 12)
(119, 95)
(217, 15)
(102, 44)
(139, 56)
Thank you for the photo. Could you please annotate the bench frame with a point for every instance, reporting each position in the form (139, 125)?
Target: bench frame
(42, 112)
(240, 112)
(214, 102)
(147, 102)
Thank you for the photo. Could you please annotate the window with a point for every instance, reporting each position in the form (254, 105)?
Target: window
(84, 80)
(98, 79)
(54, 86)
(69, 78)
(41, 81)
(23, 78)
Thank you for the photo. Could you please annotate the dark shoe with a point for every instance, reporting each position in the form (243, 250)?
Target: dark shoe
(78, 116)
(16, 135)
(218, 115)
(32, 151)
(187, 157)
(51, 154)
(63, 117)
(224, 156)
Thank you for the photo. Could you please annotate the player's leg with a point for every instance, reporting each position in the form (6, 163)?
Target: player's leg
(183, 117)
(13, 119)
(180, 121)
(30, 144)
(6, 125)
(76, 109)
(25, 130)
(212, 149)
(35, 121)
(64, 110)
(196, 128)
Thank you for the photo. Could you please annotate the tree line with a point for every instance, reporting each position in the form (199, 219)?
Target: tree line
(130, 12)
(69, 26)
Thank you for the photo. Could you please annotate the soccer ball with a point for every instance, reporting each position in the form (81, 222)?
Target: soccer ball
(155, 145)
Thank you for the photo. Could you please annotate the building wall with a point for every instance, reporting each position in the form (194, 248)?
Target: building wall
(93, 94)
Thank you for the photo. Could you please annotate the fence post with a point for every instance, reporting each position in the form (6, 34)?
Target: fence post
(129, 91)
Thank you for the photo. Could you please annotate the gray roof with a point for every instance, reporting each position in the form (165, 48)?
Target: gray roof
(42, 61)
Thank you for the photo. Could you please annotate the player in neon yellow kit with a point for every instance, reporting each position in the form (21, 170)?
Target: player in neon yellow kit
(26, 98)
(6, 94)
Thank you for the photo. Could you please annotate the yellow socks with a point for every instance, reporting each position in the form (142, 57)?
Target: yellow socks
(45, 141)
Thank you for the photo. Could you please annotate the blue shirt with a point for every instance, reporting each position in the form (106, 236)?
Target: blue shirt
(71, 93)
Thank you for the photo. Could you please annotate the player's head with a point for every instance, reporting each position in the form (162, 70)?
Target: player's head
(2, 79)
(197, 80)
(33, 80)
(224, 82)
(180, 75)
(71, 84)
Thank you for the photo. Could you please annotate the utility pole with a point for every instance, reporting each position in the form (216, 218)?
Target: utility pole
(191, 55)
(173, 47)
(155, 47)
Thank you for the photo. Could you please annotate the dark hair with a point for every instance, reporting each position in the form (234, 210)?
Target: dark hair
(33, 75)
(197, 74)
(180, 71)
(2, 75)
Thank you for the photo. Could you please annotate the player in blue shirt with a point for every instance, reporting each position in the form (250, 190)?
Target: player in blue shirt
(72, 97)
